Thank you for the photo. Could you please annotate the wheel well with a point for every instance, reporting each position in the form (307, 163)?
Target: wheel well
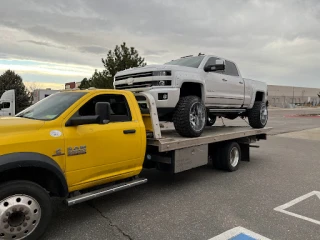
(259, 96)
(41, 176)
(189, 88)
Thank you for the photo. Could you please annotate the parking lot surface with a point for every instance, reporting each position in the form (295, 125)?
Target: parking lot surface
(276, 195)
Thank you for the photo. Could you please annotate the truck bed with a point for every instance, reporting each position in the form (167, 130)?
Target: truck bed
(171, 140)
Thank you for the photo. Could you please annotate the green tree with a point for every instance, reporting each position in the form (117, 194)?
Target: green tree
(97, 80)
(85, 83)
(121, 58)
(10, 80)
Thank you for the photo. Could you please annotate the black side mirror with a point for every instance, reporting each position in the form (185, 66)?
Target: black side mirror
(216, 67)
(76, 121)
(102, 116)
(103, 110)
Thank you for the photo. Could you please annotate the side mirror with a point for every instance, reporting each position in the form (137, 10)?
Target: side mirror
(76, 121)
(102, 116)
(103, 110)
(216, 67)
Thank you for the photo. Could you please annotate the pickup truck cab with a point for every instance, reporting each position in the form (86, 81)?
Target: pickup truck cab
(81, 144)
(193, 90)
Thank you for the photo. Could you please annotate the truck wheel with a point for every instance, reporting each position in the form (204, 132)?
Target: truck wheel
(189, 118)
(211, 120)
(258, 115)
(25, 210)
(230, 156)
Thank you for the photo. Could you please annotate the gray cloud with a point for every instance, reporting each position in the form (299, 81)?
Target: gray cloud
(276, 41)
(43, 44)
(93, 49)
(149, 52)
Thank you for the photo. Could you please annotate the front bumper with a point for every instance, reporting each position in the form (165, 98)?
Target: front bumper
(157, 93)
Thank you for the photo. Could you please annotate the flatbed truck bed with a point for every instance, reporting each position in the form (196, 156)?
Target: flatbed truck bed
(173, 153)
(171, 140)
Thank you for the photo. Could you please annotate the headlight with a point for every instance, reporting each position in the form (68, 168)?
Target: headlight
(161, 83)
(161, 73)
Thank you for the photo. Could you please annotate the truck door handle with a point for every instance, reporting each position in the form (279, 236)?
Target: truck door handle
(241, 82)
(224, 80)
(129, 131)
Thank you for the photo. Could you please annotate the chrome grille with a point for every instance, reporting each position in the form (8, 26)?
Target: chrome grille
(134, 85)
(134, 75)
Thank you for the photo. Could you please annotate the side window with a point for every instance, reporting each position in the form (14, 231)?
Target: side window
(5, 105)
(231, 69)
(212, 61)
(120, 111)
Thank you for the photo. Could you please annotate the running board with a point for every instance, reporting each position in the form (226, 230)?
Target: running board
(104, 191)
(232, 110)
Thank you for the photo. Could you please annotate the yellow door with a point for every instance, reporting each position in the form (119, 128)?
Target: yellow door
(98, 152)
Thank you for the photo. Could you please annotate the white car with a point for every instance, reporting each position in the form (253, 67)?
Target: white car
(192, 91)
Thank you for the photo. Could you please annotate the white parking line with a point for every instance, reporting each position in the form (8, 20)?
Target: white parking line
(239, 233)
(295, 201)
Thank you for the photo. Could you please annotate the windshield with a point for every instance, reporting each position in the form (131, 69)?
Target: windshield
(52, 106)
(187, 62)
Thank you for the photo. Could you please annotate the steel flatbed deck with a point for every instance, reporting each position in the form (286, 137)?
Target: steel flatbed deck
(171, 140)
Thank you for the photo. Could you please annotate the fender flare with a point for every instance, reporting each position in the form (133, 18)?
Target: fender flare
(31, 159)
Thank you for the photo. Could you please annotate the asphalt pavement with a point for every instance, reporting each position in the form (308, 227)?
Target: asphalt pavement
(275, 195)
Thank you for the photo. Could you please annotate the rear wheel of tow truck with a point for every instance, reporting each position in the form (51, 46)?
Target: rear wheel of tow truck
(258, 115)
(230, 156)
(25, 210)
(189, 118)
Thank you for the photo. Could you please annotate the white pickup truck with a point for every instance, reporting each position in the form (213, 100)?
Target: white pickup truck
(193, 90)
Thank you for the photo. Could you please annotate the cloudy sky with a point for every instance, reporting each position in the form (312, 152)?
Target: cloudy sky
(53, 42)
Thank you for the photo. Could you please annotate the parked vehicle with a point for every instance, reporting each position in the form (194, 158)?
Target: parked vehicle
(192, 91)
(8, 103)
(71, 145)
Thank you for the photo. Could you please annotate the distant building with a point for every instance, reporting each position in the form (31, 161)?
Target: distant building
(39, 94)
(71, 85)
(288, 96)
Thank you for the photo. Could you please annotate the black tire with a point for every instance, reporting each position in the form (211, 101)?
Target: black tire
(226, 161)
(255, 116)
(24, 212)
(211, 119)
(181, 117)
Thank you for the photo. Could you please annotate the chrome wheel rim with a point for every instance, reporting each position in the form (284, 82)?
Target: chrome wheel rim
(234, 157)
(197, 116)
(264, 115)
(19, 216)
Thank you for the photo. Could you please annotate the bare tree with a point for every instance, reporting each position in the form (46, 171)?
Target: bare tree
(32, 87)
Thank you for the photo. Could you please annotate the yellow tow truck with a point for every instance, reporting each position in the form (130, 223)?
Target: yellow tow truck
(82, 144)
